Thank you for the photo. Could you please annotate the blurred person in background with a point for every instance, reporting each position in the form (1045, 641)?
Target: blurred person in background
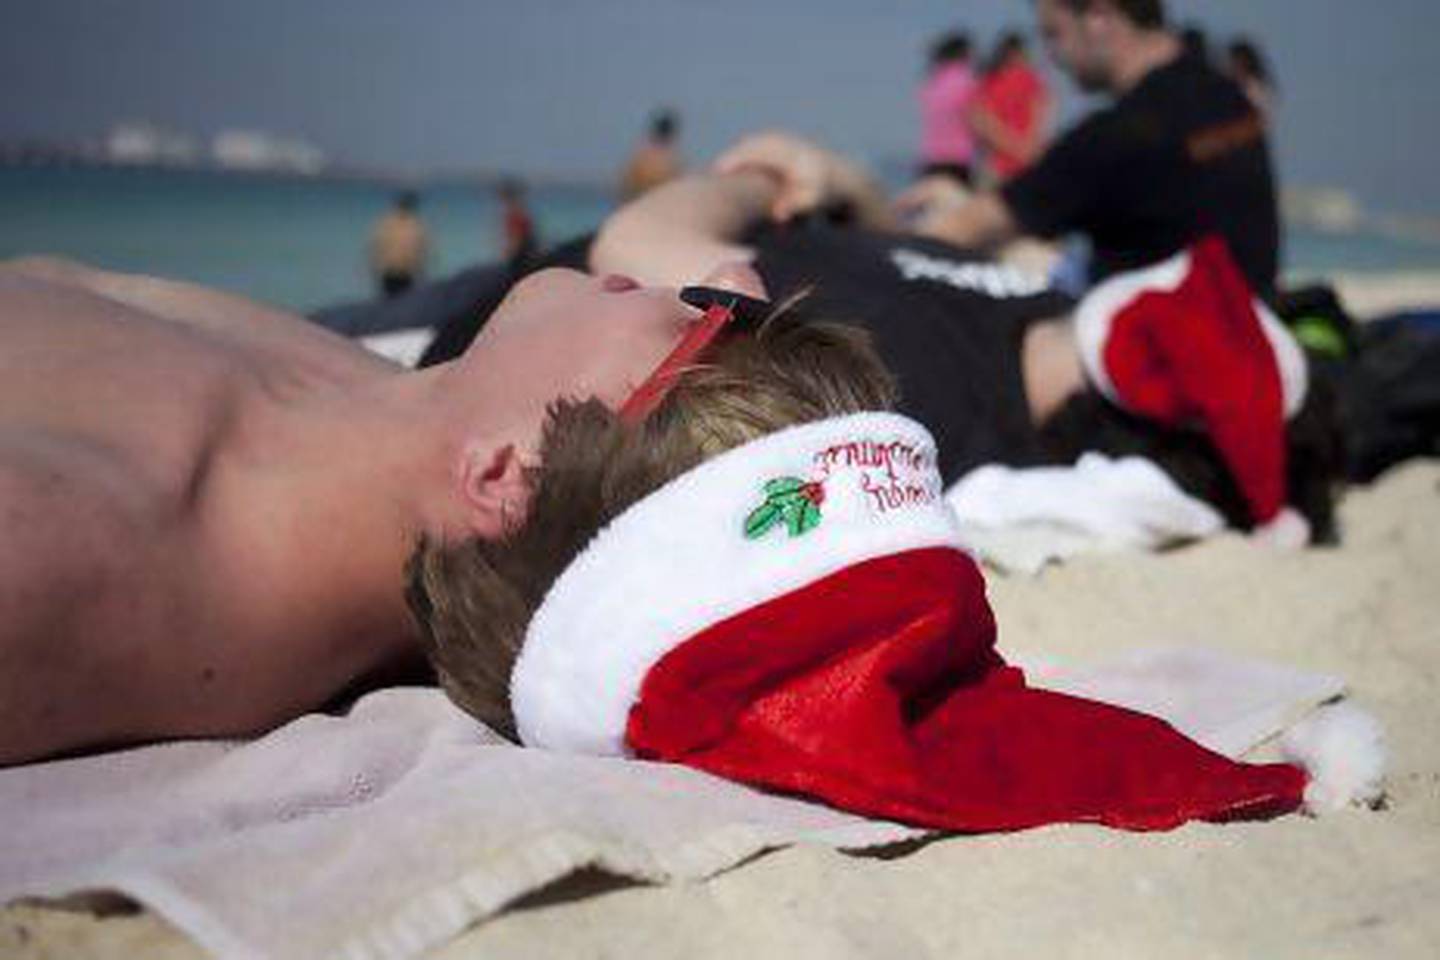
(399, 246)
(517, 227)
(655, 160)
(1247, 66)
(947, 144)
(1011, 115)
(1196, 41)
(1179, 154)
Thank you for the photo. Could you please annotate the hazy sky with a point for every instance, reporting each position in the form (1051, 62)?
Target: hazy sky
(564, 86)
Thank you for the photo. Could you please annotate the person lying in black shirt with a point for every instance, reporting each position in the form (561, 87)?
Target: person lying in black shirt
(984, 354)
(1181, 153)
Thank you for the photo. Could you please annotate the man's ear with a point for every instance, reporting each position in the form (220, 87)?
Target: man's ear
(494, 489)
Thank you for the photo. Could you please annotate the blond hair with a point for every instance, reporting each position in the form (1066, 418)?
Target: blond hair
(474, 600)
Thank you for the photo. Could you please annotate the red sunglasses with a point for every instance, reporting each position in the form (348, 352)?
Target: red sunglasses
(724, 309)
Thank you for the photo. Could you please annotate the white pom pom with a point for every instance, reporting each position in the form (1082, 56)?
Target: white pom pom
(1342, 748)
(1287, 531)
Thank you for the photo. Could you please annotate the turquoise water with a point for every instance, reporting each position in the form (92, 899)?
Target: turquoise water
(301, 243)
(295, 242)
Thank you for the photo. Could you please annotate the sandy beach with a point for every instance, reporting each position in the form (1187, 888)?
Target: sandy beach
(1356, 884)
(1370, 295)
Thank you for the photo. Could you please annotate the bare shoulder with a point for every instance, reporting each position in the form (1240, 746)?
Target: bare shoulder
(279, 337)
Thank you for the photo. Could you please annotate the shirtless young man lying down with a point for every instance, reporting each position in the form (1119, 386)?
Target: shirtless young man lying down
(206, 506)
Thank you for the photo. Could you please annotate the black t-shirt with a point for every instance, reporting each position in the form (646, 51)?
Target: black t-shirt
(1181, 155)
(947, 323)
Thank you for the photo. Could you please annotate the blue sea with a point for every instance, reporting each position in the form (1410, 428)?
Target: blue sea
(301, 242)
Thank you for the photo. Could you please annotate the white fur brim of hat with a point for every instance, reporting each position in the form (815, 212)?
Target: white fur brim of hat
(679, 561)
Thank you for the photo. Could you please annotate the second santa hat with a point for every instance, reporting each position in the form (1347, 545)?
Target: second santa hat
(1185, 343)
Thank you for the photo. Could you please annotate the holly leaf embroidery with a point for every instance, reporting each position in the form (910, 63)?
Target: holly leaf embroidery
(788, 500)
(809, 518)
(761, 519)
(782, 486)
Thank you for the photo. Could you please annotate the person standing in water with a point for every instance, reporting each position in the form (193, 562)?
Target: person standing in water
(654, 161)
(399, 246)
(517, 225)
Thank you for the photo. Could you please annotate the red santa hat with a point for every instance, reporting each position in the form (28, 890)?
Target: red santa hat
(1186, 343)
(798, 614)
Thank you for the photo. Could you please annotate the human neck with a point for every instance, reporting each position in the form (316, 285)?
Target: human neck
(328, 498)
(1143, 53)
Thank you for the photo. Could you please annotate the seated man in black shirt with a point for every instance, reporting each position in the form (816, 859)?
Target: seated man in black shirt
(1181, 153)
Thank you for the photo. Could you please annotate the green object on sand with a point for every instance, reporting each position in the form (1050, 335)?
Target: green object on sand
(1320, 335)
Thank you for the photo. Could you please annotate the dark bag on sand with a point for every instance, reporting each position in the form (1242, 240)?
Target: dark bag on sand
(1390, 396)
(1386, 375)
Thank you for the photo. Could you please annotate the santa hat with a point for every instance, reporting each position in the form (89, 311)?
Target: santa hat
(798, 614)
(1186, 343)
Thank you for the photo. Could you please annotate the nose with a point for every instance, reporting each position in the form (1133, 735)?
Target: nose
(739, 277)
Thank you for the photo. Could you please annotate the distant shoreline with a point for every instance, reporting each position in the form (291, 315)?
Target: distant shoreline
(18, 158)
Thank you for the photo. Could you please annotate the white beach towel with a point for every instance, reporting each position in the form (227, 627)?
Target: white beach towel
(1018, 520)
(405, 347)
(383, 833)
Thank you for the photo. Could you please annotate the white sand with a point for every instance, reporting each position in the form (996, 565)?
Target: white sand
(1359, 884)
(1370, 295)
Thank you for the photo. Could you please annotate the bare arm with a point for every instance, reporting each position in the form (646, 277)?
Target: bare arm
(687, 228)
(940, 208)
(983, 222)
(684, 229)
(810, 177)
(1044, 122)
(996, 136)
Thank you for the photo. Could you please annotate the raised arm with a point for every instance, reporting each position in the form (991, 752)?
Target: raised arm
(939, 208)
(810, 178)
(995, 136)
(683, 229)
(687, 228)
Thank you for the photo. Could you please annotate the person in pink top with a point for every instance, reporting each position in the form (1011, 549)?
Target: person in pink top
(1012, 109)
(947, 146)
